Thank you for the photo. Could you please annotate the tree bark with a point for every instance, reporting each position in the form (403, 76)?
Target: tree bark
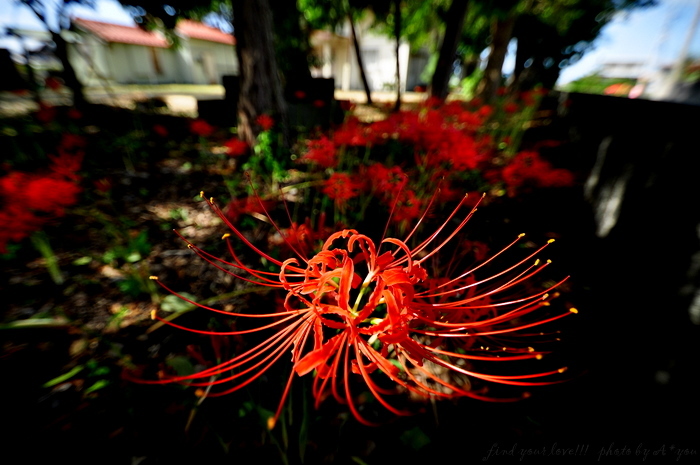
(360, 62)
(69, 77)
(439, 86)
(292, 53)
(260, 85)
(397, 34)
(493, 73)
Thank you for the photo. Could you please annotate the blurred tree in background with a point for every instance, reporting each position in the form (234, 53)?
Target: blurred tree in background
(273, 42)
(56, 19)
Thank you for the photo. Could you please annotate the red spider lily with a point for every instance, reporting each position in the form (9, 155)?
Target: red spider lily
(368, 313)
(265, 121)
(530, 168)
(160, 130)
(46, 113)
(201, 128)
(342, 187)
(408, 207)
(321, 152)
(43, 197)
(235, 147)
(350, 133)
(302, 238)
(67, 164)
(510, 107)
(103, 185)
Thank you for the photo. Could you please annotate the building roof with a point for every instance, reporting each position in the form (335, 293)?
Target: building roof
(137, 36)
(122, 34)
(195, 30)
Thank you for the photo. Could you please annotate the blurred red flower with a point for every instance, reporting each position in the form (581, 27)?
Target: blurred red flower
(201, 128)
(265, 121)
(236, 147)
(160, 130)
(321, 152)
(342, 187)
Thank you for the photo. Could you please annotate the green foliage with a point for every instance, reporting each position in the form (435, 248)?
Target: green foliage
(595, 84)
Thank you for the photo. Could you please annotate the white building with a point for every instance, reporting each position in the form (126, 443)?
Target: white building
(337, 53)
(115, 54)
(129, 55)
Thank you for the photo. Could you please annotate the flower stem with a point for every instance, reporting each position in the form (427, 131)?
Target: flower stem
(41, 243)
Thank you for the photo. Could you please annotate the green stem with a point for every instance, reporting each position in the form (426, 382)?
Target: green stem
(36, 323)
(41, 243)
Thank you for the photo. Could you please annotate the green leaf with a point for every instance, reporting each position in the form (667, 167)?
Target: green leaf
(98, 385)
(63, 377)
(133, 257)
(172, 303)
(181, 365)
(82, 261)
(358, 460)
(415, 438)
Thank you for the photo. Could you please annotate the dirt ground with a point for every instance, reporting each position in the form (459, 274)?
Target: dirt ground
(179, 100)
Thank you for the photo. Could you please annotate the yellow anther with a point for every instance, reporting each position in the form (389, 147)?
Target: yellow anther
(538, 356)
(537, 262)
(550, 241)
(549, 261)
(189, 246)
(155, 278)
(201, 194)
(153, 314)
(530, 349)
(271, 423)
(225, 236)
(211, 199)
(200, 393)
(573, 310)
(562, 370)
(544, 297)
(521, 235)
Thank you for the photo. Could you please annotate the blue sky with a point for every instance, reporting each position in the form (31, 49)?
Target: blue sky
(652, 35)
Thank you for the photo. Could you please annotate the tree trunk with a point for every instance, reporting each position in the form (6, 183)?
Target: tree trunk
(522, 53)
(439, 86)
(360, 62)
(292, 53)
(397, 34)
(493, 73)
(31, 77)
(69, 77)
(260, 86)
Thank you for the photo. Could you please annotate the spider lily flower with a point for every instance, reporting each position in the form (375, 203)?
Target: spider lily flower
(365, 315)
